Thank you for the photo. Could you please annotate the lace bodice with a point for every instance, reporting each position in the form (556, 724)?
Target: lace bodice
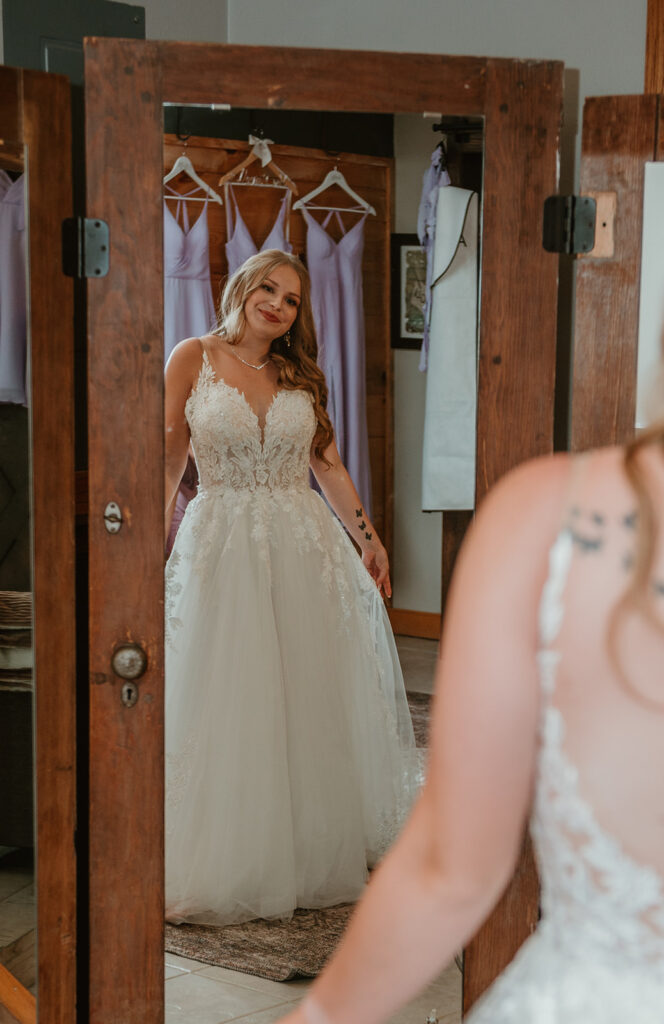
(233, 452)
(598, 902)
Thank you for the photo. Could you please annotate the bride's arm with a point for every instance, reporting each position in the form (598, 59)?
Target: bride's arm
(460, 844)
(340, 492)
(181, 372)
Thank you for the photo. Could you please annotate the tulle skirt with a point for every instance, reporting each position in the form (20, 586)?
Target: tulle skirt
(290, 755)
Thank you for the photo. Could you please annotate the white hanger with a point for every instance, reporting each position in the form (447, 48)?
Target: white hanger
(183, 165)
(335, 177)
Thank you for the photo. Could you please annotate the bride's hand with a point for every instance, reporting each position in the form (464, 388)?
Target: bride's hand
(376, 561)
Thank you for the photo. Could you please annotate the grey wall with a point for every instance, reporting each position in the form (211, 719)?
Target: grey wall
(195, 21)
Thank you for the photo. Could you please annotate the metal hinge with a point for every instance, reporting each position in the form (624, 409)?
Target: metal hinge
(568, 225)
(85, 247)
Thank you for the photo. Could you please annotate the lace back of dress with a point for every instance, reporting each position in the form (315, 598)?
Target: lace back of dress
(598, 826)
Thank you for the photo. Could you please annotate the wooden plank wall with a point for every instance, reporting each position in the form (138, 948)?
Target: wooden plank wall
(371, 177)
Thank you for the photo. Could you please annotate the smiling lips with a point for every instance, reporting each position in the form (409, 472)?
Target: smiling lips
(270, 317)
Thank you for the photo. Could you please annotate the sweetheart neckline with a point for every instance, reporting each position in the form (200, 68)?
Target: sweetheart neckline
(213, 379)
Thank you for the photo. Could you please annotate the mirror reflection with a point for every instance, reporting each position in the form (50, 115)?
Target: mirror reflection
(17, 837)
(295, 274)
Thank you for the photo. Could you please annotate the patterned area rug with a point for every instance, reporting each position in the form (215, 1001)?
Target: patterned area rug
(420, 706)
(279, 950)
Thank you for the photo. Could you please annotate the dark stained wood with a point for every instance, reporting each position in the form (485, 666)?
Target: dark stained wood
(12, 156)
(11, 105)
(519, 279)
(654, 77)
(516, 367)
(619, 135)
(47, 135)
(34, 111)
(510, 924)
(125, 424)
(304, 79)
(405, 622)
(455, 525)
(521, 101)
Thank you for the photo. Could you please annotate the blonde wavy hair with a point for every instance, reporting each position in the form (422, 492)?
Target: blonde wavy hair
(638, 595)
(296, 362)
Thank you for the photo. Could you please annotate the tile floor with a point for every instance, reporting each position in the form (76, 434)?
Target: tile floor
(215, 995)
(418, 662)
(17, 895)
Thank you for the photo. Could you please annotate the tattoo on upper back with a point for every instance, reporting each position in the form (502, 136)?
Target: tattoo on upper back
(588, 532)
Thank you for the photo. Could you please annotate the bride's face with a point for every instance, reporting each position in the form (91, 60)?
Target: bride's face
(272, 307)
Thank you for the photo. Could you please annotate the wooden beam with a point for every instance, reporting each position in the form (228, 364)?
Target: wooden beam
(47, 133)
(126, 570)
(618, 137)
(279, 77)
(16, 999)
(406, 622)
(654, 76)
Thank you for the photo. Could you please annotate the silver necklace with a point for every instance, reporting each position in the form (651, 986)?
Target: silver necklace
(252, 365)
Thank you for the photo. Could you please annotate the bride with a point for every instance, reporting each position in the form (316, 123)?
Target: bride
(290, 757)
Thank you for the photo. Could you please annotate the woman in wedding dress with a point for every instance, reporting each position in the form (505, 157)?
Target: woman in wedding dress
(549, 705)
(290, 756)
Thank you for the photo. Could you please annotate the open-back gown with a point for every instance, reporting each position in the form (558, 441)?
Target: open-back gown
(290, 755)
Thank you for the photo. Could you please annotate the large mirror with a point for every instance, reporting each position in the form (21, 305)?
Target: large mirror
(18, 912)
(37, 601)
(240, 910)
(520, 105)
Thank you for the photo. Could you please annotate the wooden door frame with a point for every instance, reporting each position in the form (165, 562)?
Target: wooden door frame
(126, 83)
(620, 133)
(35, 113)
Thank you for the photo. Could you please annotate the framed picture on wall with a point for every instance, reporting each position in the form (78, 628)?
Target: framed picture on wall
(408, 290)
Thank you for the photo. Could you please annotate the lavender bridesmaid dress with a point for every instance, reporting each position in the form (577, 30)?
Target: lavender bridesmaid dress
(240, 245)
(335, 269)
(188, 303)
(12, 291)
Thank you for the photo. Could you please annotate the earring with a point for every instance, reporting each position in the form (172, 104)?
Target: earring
(287, 339)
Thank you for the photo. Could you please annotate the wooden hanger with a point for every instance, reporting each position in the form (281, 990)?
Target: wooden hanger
(183, 165)
(335, 177)
(260, 151)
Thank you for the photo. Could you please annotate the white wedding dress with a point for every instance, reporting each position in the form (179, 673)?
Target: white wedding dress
(290, 756)
(597, 956)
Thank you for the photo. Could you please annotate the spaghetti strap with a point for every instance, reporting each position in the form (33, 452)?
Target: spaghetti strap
(551, 607)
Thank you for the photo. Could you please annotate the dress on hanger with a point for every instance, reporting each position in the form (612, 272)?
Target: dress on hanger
(240, 245)
(335, 269)
(597, 955)
(290, 757)
(13, 293)
(188, 303)
(435, 177)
